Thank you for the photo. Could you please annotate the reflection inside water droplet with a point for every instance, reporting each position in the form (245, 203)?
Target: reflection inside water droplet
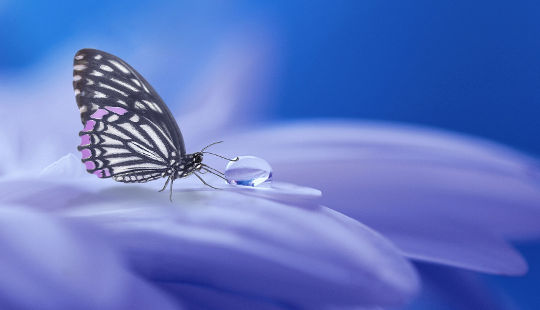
(248, 171)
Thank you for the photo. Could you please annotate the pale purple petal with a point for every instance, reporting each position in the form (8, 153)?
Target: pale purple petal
(204, 298)
(47, 264)
(68, 166)
(440, 197)
(448, 288)
(44, 125)
(196, 297)
(425, 222)
(235, 243)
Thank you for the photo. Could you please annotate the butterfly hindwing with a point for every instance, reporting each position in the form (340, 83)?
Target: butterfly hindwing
(129, 133)
(116, 142)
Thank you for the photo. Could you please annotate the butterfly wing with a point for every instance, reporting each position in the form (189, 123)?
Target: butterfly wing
(129, 133)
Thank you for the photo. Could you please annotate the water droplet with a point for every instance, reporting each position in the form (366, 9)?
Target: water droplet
(248, 171)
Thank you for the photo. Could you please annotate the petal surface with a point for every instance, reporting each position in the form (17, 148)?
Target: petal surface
(440, 197)
(236, 243)
(448, 289)
(47, 264)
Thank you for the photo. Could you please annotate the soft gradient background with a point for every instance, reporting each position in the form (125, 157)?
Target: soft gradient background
(466, 66)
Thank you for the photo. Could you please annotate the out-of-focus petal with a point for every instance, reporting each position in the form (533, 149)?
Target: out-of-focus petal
(198, 297)
(205, 298)
(423, 221)
(236, 243)
(440, 197)
(68, 166)
(46, 264)
(40, 119)
(446, 288)
(309, 141)
(37, 112)
(221, 97)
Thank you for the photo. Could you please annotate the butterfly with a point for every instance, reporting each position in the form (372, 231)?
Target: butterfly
(129, 133)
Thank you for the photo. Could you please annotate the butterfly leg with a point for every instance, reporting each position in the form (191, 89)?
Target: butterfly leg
(221, 176)
(213, 169)
(170, 192)
(166, 182)
(204, 182)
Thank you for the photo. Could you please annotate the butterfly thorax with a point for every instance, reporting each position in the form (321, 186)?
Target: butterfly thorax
(186, 165)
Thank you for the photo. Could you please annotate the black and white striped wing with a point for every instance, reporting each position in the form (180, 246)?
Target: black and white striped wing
(129, 133)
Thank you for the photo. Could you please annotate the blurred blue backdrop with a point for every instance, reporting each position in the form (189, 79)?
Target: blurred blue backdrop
(466, 66)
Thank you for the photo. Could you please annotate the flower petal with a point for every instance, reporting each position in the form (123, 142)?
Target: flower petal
(47, 264)
(440, 197)
(240, 244)
(203, 298)
(447, 288)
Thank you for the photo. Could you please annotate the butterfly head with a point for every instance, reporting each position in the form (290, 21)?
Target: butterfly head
(192, 163)
(197, 160)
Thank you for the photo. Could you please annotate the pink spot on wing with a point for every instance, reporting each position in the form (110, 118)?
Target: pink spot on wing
(89, 125)
(101, 173)
(85, 140)
(99, 114)
(117, 110)
(86, 153)
(90, 165)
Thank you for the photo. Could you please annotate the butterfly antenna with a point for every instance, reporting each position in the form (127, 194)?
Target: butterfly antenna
(234, 159)
(204, 182)
(209, 145)
(203, 151)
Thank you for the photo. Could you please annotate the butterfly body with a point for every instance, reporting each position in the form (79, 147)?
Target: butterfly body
(129, 133)
(185, 166)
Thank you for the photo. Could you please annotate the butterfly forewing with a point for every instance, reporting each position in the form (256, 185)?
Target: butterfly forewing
(129, 133)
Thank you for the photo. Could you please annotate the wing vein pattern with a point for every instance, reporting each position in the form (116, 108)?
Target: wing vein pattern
(129, 133)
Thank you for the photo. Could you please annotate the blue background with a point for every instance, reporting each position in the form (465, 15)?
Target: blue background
(465, 66)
